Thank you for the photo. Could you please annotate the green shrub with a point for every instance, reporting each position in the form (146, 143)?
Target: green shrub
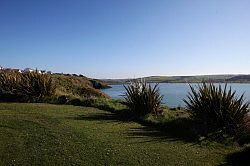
(25, 86)
(142, 98)
(217, 110)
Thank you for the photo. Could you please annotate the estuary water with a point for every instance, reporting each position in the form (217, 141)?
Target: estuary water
(174, 93)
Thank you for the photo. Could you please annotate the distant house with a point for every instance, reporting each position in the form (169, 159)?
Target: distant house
(29, 70)
(1, 68)
(49, 72)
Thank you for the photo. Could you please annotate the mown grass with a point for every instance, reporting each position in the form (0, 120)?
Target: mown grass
(44, 134)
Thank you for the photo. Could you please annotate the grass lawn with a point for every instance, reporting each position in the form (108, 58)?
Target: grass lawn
(43, 134)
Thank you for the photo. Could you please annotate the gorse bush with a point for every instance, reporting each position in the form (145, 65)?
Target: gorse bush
(142, 98)
(217, 110)
(25, 86)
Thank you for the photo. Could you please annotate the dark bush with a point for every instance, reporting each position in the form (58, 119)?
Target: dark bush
(217, 111)
(89, 102)
(49, 99)
(76, 102)
(10, 97)
(62, 99)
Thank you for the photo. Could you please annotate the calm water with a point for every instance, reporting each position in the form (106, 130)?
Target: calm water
(175, 93)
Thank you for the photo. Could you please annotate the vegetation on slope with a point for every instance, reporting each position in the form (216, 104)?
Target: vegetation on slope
(36, 87)
(240, 78)
(189, 79)
(78, 86)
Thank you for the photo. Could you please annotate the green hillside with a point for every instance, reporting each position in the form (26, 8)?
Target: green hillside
(188, 79)
(184, 79)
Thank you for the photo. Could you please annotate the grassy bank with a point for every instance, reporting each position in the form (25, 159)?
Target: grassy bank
(76, 86)
(44, 134)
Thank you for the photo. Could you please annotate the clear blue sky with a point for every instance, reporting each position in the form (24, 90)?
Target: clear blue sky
(126, 38)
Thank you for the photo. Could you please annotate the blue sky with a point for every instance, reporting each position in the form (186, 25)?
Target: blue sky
(126, 38)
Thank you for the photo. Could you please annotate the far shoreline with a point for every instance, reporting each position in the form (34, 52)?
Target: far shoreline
(110, 84)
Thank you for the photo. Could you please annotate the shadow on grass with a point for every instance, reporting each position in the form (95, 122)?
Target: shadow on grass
(241, 158)
(120, 116)
(174, 130)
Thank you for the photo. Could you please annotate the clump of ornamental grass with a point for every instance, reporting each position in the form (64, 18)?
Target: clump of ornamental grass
(143, 98)
(37, 85)
(9, 82)
(218, 111)
(25, 86)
